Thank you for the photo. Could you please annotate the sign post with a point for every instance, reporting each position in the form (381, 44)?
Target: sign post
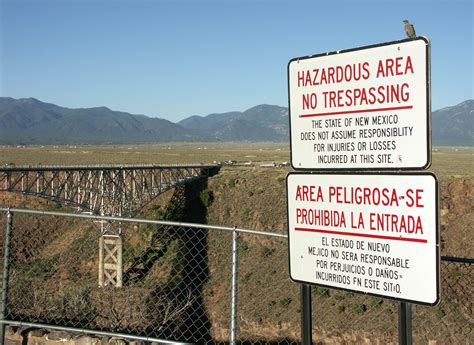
(306, 315)
(404, 324)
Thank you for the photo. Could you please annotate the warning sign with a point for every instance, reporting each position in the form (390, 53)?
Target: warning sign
(376, 234)
(362, 108)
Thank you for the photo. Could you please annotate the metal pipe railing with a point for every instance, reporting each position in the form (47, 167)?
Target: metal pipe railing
(145, 221)
(91, 332)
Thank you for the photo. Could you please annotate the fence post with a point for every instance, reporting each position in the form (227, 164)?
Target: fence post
(306, 315)
(6, 271)
(101, 260)
(404, 324)
(233, 317)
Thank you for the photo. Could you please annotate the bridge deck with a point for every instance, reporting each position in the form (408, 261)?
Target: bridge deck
(105, 167)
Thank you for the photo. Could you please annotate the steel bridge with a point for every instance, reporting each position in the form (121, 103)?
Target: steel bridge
(102, 190)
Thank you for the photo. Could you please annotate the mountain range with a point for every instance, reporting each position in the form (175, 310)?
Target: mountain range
(29, 121)
(454, 125)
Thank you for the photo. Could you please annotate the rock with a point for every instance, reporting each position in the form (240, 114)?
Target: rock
(87, 340)
(11, 330)
(117, 341)
(59, 336)
(36, 332)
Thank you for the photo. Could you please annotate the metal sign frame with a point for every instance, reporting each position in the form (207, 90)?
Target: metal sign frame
(437, 235)
(428, 108)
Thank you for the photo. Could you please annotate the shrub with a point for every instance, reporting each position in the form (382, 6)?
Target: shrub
(156, 212)
(243, 247)
(43, 268)
(319, 291)
(207, 197)
(267, 251)
(284, 302)
(440, 313)
(360, 308)
(377, 302)
(246, 277)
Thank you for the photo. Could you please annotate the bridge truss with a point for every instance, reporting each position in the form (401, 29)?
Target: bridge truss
(101, 190)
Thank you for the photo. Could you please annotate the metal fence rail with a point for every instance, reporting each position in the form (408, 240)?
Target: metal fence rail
(197, 283)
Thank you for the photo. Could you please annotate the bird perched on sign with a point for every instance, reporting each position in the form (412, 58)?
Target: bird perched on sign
(409, 29)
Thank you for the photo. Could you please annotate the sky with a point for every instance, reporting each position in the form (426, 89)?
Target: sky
(174, 59)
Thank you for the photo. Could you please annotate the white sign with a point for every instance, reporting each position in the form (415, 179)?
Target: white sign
(376, 234)
(362, 108)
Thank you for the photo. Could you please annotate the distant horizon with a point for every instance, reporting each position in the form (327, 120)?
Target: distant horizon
(31, 121)
(174, 59)
(186, 117)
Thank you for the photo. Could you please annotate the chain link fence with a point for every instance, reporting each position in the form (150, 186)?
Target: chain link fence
(176, 284)
(356, 318)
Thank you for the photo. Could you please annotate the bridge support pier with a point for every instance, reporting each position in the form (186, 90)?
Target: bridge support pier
(110, 260)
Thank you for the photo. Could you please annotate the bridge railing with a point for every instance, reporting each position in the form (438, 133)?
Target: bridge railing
(195, 283)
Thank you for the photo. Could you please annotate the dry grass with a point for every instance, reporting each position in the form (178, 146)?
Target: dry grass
(446, 161)
(453, 161)
(172, 153)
